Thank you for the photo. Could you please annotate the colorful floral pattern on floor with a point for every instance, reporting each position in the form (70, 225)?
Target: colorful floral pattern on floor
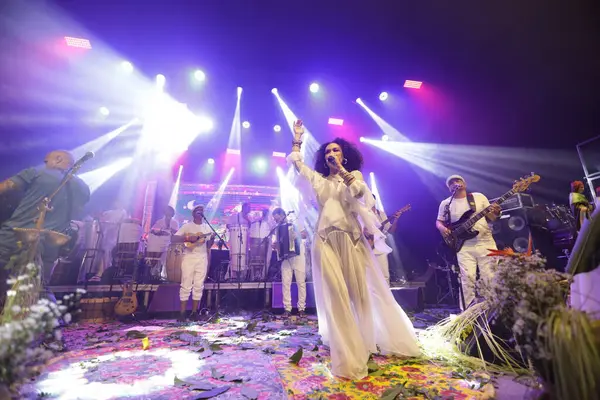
(232, 358)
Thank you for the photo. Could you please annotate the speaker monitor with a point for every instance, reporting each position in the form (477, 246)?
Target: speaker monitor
(512, 230)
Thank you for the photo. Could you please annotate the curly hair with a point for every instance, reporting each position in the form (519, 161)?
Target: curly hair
(575, 185)
(352, 157)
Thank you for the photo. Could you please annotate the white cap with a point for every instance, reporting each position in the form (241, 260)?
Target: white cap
(454, 177)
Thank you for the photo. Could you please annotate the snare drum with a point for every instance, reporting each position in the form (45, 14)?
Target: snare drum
(174, 258)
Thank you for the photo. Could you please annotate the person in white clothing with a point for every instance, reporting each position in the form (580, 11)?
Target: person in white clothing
(292, 267)
(198, 238)
(356, 310)
(474, 253)
(161, 232)
(388, 226)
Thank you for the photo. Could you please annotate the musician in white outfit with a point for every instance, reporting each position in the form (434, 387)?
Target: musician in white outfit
(358, 316)
(198, 238)
(474, 253)
(161, 232)
(294, 266)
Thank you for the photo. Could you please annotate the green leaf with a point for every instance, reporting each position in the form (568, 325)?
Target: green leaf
(213, 393)
(296, 357)
(392, 393)
(251, 326)
(135, 335)
(202, 386)
(216, 347)
(179, 382)
(377, 373)
(216, 374)
(249, 393)
(372, 367)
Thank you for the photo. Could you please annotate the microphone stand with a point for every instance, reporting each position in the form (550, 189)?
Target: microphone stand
(219, 267)
(33, 237)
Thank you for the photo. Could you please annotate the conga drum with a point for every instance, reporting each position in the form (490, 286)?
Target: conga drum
(174, 258)
(238, 245)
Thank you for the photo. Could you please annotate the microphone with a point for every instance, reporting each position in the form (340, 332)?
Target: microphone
(89, 155)
(291, 212)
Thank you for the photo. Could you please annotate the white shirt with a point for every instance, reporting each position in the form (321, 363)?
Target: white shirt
(459, 206)
(161, 225)
(195, 229)
(260, 229)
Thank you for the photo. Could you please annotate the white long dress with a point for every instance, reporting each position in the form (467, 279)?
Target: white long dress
(356, 310)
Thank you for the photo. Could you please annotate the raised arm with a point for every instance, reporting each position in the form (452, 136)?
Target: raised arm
(296, 159)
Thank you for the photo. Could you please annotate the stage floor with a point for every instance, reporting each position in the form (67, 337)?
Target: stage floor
(238, 357)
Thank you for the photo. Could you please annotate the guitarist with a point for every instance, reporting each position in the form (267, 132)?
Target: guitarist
(389, 226)
(198, 238)
(474, 252)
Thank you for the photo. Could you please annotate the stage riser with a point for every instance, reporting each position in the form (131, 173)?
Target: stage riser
(410, 299)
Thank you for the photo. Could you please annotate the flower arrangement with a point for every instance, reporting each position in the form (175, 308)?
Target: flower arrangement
(560, 345)
(20, 359)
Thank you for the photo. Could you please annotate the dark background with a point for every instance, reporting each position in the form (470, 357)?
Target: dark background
(521, 74)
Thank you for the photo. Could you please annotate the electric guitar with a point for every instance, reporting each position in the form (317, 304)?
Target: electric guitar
(462, 230)
(390, 220)
(128, 302)
(199, 242)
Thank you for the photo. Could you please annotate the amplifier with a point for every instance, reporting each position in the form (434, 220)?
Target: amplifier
(519, 200)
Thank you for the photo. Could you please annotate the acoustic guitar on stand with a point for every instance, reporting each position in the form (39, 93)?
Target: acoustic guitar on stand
(462, 230)
(128, 302)
(390, 220)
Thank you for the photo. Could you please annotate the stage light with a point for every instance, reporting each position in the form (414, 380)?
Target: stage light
(277, 128)
(383, 96)
(127, 66)
(314, 87)
(211, 161)
(246, 124)
(78, 42)
(362, 139)
(336, 121)
(412, 84)
(359, 100)
(239, 91)
(278, 154)
(160, 80)
(385, 138)
(234, 151)
(259, 165)
(204, 124)
(199, 75)
(274, 90)
(104, 111)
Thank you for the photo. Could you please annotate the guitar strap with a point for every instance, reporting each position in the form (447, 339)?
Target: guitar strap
(471, 201)
(472, 205)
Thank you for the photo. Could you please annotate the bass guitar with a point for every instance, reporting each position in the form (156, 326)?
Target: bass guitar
(462, 230)
(390, 220)
(128, 302)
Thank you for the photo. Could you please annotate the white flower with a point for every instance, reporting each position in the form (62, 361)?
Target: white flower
(16, 309)
(11, 281)
(10, 293)
(22, 277)
(67, 318)
(30, 266)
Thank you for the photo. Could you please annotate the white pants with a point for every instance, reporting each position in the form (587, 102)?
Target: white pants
(382, 260)
(193, 273)
(294, 266)
(469, 258)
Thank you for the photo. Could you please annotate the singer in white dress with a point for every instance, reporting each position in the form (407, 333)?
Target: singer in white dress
(356, 310)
